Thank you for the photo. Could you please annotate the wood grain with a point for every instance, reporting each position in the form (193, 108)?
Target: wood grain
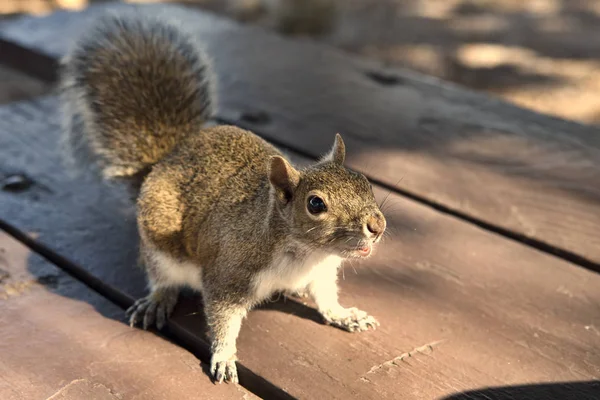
(461, 308)
(60, 340)
(526, 175)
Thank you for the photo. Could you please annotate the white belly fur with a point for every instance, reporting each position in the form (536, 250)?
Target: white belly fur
(289, 273)
(177, 273)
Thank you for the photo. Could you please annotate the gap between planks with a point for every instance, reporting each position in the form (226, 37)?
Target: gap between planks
(254, 383)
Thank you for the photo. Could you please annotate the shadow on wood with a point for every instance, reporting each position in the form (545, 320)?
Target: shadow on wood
(547, 391)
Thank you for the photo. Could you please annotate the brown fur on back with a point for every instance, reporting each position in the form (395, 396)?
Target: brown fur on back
(217, 173)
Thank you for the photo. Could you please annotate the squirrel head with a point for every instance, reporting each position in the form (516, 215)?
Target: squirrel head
(328, 206)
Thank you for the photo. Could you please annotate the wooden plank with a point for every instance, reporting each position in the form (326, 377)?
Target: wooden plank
(461, 308)
(525, 175)
(60, 340)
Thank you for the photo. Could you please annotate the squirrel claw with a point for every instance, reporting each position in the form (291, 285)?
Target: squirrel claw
(224, 371)
(153, 309)
(352, 320)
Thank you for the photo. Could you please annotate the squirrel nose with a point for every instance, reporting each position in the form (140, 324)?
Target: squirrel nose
(376, 224)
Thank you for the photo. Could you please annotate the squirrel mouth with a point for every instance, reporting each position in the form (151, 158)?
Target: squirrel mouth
(364, 250)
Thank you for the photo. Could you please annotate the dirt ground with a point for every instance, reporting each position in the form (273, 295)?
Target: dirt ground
(540, 54)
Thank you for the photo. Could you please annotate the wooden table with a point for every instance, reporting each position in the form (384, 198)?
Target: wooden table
(488, 287)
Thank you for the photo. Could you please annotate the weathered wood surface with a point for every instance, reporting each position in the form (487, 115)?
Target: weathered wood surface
(522, 173)
(461, 308)
(60, 340)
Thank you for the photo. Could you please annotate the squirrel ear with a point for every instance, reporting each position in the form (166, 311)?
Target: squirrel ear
(283, 177)
(337, 154)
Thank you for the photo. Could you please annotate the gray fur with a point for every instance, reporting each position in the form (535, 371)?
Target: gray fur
(219, 209)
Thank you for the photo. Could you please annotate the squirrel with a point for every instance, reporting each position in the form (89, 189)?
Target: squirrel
(219, 209)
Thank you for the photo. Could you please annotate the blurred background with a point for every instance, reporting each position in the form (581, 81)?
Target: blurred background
(539, 54)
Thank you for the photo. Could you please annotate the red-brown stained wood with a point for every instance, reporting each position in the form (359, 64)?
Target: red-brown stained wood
(84, 389)
(529, 174)
(460, 308)
(60, 340)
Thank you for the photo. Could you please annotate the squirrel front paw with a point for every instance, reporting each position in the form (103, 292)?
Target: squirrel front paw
(350, 319)
(225, 370)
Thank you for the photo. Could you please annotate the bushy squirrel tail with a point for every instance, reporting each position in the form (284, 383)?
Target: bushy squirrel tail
(132, 88)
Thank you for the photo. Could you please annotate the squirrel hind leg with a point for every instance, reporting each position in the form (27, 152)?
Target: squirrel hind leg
(166, 276)
(154, 309)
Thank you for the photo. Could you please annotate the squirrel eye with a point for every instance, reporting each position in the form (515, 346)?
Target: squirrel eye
(316, 205)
